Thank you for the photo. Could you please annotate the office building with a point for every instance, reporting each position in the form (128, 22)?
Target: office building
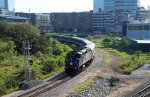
(7, 5)
(143, 14)
(103, 21)
(110, 15)
(72, 22)
(2, 4)
(109, 4)
(130, 5)
(103, 5)
(109, 20)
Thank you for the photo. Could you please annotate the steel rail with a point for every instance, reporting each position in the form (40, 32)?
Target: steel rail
(46, 87)
(141, 92)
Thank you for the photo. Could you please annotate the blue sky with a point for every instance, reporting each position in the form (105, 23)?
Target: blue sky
(58, 5)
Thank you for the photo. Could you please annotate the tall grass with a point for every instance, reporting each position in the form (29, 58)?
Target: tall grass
(133, 60)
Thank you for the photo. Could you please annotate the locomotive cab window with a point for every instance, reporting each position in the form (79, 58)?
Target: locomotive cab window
(78, 55)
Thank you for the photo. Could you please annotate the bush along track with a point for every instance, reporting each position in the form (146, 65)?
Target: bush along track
(48, 55)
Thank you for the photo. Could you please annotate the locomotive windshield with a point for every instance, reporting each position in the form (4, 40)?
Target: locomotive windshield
(73, 57)
(78, 55)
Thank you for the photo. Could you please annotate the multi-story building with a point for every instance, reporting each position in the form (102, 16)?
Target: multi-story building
(109, 20)
(143, 14)
(103, 21)
(113, 13)
(120, 17)
(130, 5)
(7, 13)
(2, 4)
(7, 5)
(104, 5)
(40, 20)
(109, 5)
(72, 22)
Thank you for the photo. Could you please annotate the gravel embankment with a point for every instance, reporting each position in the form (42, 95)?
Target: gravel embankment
(128, 85)
(101, 88)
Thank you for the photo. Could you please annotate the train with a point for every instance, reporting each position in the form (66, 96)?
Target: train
(76, 60)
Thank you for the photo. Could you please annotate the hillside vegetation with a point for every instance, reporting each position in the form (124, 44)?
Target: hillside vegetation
(133, 58)
(48, 55)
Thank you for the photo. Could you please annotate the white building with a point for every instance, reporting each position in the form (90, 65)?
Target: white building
(42, 21)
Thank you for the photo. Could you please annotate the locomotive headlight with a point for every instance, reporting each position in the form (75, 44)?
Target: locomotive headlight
(71, 63)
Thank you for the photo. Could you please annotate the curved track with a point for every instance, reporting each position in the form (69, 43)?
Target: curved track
(145, 92)
(90, 72)
(61, 79)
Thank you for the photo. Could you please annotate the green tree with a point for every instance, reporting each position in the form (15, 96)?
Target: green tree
(7, 49)
(106, 42)
(49, 65)
(18, 33)
(2, 83)
(23, 32)
(49, 54)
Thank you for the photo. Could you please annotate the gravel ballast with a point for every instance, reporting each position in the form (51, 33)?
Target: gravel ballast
(101, 88)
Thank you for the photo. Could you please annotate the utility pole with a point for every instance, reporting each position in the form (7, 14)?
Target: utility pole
(27, 46)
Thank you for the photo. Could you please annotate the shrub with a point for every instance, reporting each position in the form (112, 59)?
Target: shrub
(49, 65)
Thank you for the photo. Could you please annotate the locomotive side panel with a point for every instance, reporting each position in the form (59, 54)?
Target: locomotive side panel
(87, 56)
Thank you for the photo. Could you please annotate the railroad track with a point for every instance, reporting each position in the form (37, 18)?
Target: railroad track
(145, 92)
(54, 83)
(46, 87)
